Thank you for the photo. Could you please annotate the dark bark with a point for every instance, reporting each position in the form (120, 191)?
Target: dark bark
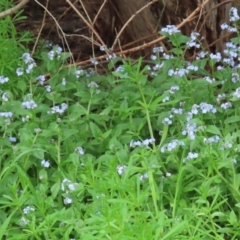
(173, 12)
(143, 28)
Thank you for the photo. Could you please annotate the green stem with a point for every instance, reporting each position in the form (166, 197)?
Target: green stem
(153, 189)
(58, 149)
(151, 179)
(89, 104)
(147, 115)
(179, 184)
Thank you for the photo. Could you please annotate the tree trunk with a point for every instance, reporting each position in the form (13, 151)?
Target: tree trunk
(109, 17)
(173, 12)
(143, 23)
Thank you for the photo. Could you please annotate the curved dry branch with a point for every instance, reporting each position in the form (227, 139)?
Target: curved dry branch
(14, 9)
(149, 44)
(86, 22)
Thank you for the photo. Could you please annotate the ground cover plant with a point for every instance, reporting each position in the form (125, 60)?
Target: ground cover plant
(145, 152)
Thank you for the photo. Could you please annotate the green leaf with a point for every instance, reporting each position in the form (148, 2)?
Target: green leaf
(106, 111)
(21, 85)
(72, 158)
(55, 189)
(157, 100)
(121, 75)
(112, 62)
(164, 135)
(106, 134)
(144, 105)
(95, 130)
(233, 218)
(5, 224)
(175, 230)
(38, 153)
(232, 119)
(65, 55)
(176, 51)
(235, 40)
(237, 205)
(182, 39)
(43, 175)
(213, 129)
(66, 133)
(80, 110)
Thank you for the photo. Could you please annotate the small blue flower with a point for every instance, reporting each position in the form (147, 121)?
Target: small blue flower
(12, 139)
(29, 104)
(3, 79)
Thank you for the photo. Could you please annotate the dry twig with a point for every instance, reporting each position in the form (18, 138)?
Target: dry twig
(14, 9)
(100, 9)
(59, 27)
(41, 28)
(149, 44)
(86, 22)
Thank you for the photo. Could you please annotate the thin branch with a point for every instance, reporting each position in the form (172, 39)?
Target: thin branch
(146, 45)
(57, 24)
(86, 22)
(99, 11)
(41, 28)
(14, 9)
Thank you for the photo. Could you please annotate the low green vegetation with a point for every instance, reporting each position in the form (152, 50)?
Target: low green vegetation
(147, 152)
